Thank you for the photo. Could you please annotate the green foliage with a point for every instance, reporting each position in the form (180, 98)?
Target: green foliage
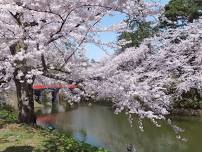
(64, 143)
(140, 32)
(183, 10)
(7, 114)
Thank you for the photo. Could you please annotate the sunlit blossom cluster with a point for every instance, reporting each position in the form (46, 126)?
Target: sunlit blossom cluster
(146, 80)
(48, 37)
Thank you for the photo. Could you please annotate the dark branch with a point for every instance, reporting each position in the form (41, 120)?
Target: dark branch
(17, 17)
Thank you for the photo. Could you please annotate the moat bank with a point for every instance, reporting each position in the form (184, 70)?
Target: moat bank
(16, 137)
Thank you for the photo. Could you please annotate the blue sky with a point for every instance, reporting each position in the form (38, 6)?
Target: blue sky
(93, 52)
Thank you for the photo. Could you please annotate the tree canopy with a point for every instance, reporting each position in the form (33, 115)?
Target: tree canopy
(33, 38)
(177, 12)
(45, 40)
(148, 79)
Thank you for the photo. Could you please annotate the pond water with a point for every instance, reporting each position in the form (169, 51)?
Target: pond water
(99, 126)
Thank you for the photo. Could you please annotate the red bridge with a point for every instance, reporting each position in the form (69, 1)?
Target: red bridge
(54, 86)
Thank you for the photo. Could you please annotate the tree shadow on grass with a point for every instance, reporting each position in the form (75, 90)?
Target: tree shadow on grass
(19, 149)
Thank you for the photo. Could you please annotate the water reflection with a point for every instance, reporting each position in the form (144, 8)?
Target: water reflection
(99, 126)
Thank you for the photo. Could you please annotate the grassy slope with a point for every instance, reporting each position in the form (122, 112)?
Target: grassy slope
(16, 137)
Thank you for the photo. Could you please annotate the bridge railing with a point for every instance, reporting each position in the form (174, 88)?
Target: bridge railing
(54, 86)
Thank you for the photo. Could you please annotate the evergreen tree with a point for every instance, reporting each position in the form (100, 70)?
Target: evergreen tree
(182, 11)
(141, 30)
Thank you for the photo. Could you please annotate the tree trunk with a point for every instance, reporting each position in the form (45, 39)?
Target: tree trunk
(25, 102)
(24, 89)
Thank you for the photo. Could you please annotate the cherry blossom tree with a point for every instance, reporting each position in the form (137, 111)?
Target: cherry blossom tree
(147, 80)
(32, 33)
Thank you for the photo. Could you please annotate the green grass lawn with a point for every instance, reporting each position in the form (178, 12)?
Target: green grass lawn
(16, 137)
